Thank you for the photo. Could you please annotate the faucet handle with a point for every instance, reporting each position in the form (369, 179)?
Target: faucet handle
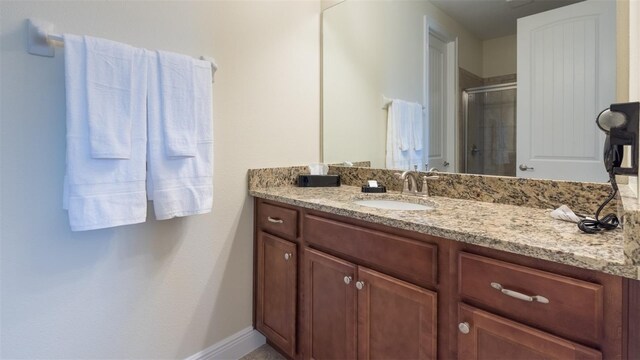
(425, 187)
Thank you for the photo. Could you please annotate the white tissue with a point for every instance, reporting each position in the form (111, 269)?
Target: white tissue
(565, 214)
(372, 183)
(318, 169)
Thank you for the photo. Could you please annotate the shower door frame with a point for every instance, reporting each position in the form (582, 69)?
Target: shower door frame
(465, 111)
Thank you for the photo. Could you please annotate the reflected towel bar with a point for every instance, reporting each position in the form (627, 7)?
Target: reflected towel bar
(386, 102)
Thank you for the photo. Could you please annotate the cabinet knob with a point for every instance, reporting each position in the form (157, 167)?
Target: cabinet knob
(464, 327)
(347, 280)
(359, 285)
(287, 256)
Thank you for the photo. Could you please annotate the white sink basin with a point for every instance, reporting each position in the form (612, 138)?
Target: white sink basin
(393, 205)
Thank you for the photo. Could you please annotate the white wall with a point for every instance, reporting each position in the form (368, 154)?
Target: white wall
(371, 48)
(499, 56)
(160, 289)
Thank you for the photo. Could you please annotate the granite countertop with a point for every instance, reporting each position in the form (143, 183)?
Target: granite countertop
(516, 229)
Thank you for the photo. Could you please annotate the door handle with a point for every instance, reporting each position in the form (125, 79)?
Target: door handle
(474, 149)
(524, 167)
(519, 295)
(464, 327)
(275, 220)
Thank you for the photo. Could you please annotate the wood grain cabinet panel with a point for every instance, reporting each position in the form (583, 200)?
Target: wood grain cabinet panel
(407, 259)
(396, 320)
(492, 337)
(278, 220)
(574, 308)
(330, 309)
(277, 291)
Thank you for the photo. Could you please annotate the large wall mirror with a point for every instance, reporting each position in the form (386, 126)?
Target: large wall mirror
(495, 87)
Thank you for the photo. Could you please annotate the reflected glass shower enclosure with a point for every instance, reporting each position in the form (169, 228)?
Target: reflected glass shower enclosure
(490, 130)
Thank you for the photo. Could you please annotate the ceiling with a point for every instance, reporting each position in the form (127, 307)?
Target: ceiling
(488, 19)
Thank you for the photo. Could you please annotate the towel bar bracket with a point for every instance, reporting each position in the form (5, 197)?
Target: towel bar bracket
(37, 42)
(41, 41)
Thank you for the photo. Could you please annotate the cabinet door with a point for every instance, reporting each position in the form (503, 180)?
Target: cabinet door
(396, 320)
(483, 335)
(330, 307)
(276, 291)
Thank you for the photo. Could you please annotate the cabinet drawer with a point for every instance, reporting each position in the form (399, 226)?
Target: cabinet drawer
(564, 306)
(487, 336)
(278, 220)
(406, 259)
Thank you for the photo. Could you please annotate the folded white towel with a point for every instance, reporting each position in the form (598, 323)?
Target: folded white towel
(110, 77)
(417, 125)
(402, 117)
(101, 193)
(176, 77)
(396, 158)
(181, 186)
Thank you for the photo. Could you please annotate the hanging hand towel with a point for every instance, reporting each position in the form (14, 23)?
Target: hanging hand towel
(176, 77)
(181, 186)
(109, 80)
(417, 126)
(101, 193)
(397, 125)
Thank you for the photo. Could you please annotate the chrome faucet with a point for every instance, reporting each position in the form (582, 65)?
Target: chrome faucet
(410, 183)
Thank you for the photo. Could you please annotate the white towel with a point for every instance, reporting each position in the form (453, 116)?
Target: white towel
(181, 186)
(401, 153)
(110, 77)
(396, 158)
(101, 193)
(176, 77)
(417, 126)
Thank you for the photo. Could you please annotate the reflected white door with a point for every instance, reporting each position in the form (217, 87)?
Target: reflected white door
(439, 156)
(566, 76)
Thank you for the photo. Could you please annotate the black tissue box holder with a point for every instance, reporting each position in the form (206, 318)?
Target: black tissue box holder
(318, 180)
(369, 189)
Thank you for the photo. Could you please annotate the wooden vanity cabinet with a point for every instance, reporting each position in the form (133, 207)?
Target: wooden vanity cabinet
(486, 336)
(276, 276)
(527, 308)
(357, 313)
(357, 290)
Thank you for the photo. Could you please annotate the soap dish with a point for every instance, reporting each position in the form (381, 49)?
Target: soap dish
(378, 189)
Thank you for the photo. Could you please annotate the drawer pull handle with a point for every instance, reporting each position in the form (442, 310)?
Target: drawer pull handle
(464, 327)
(275, 221)
(518, 295)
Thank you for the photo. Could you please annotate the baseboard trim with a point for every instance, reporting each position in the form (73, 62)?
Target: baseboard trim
(232, 348)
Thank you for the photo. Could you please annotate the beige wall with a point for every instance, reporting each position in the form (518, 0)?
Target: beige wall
(634, 68)
(370, 49)
(162, 289)
(499, 56)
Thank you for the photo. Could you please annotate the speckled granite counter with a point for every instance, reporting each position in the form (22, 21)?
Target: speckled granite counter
(515, 229)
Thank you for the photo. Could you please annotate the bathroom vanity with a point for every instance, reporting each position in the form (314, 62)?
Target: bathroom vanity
(467, 280)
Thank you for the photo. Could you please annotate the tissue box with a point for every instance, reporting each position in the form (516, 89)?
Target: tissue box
(318, 180)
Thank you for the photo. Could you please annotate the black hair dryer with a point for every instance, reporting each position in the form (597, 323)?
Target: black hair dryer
(620, 123)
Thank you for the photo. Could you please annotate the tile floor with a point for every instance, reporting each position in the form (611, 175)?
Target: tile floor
(264, 352)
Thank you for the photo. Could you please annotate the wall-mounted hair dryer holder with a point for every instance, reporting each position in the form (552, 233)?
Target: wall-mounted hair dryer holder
(624, 134)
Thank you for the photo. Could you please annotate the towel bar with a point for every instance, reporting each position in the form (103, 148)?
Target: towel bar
(41, 41)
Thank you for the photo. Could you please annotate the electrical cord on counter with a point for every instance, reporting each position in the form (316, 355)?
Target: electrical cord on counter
(609, 222)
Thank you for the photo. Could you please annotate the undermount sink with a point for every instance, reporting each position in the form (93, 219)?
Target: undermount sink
(393, 205)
